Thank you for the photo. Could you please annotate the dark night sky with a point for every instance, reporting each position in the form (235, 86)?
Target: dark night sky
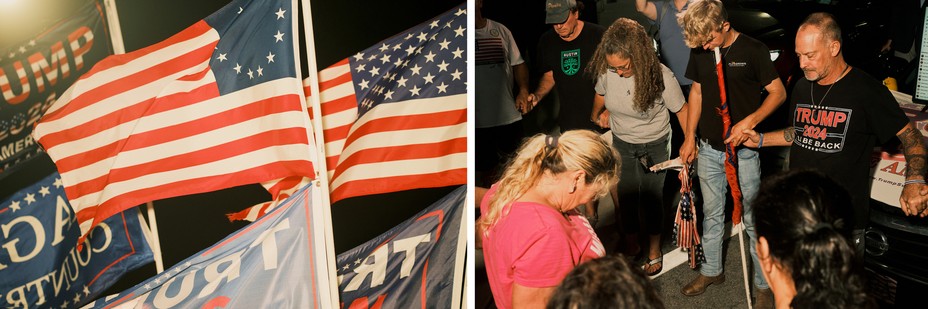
(190, 223)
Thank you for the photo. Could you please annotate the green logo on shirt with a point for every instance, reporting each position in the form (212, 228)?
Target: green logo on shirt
(570, 62)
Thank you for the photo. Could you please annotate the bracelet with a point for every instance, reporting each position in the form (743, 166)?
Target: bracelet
(760, 143)
(913, 181)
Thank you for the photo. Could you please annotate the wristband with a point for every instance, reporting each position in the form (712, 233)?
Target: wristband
(760, 143)
(913, 181)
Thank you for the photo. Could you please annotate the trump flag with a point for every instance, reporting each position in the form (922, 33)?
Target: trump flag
(217, 105)
(40, 266)
(34, 73)
(394, 116)
(271, 263)
(413, 265)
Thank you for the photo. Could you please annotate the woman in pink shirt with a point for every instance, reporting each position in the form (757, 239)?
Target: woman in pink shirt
(532, 234)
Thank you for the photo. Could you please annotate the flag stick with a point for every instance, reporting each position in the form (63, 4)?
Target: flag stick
(323, 208)
(156, 242)
(119, 47)
(744, 265)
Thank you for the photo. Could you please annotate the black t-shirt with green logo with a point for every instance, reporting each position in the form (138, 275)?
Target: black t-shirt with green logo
(568, 61)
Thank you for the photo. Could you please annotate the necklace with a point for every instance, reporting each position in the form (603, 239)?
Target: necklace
(812, 98)
(730, 46)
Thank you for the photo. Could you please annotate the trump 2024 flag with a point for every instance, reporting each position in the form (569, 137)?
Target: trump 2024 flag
(217, 105)
(413, 265)
(394, 116)
(40, 266)
(271, 263)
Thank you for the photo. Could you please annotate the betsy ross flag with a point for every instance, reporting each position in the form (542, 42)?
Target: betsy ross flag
(394, 115)
(215, 106)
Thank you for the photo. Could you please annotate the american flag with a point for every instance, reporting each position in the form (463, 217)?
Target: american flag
(217, 105)
(394, 115)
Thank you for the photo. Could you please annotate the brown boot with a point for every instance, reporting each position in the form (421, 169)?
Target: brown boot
(698, 285)
(763, 298)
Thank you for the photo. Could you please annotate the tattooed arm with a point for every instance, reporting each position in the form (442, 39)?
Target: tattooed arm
(914, 195)
(776, 138)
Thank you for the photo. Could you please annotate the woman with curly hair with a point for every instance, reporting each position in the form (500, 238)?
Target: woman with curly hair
(634, 92)
(532, 233)
(803, 220)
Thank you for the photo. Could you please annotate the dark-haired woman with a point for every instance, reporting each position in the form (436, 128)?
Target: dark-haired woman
(803, 220)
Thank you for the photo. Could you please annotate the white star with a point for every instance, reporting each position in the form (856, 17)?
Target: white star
(415, 69)
(280, 13)
(14, 206)
(428, 78)
(422, 37)
(44, 191)
(385, 58)
(384, 47)
(278, 37)
(456, 75)
(270, 57)
(442, 66)
(430, 57)
(434, 35)
(251, 75)
(187, 264)
(444, 44)
(31, 42)
(359, 56)
(408, 36)
(457, 52)
(403, 64)
(409, 50)
(433, 24)
(442, 87)
(12, 54)
(260, 71)
(86, 291)
(57, 183)
(237, 68)
(459, 31)
(147, 286)
(414, 90)
(375, 71)
(65, 304)
(221, 58)
(401, 81)
(371, 57)
(359, 68)
(448, 24)
(240, 10)
(30, 198)
(389, 77)
(22, 49)
(398, 62)
(363, 84)
(419, 50)
(388, 95)
(77, 298)
(157, 280)
(345, 267)
(460, 12)
(397, 46)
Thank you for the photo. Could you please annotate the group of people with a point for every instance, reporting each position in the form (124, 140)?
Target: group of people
(532, 230)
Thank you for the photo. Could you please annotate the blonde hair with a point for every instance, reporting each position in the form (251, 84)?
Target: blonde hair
(700, 19)
(627, 39)
(573, 150)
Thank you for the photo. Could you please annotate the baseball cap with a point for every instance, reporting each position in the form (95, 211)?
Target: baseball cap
(558, 10)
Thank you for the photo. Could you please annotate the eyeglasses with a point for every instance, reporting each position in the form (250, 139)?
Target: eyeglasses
(623, 68)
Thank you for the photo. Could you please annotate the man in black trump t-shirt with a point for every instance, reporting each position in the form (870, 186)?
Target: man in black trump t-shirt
(839, 114)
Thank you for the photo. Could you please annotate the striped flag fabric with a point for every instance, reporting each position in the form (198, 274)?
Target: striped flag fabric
(394, 115)
(217, 105)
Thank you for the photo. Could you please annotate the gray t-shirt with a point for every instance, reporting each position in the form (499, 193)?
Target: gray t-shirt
(630, 125)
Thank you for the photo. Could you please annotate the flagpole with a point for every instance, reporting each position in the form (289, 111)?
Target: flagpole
(744, 265)
(321, 198)
(119, 47)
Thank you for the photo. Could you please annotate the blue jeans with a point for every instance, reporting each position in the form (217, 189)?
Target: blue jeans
(711, 171)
